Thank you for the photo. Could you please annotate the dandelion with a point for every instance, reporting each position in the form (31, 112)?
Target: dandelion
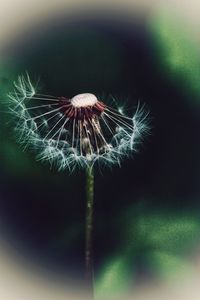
(75, 132)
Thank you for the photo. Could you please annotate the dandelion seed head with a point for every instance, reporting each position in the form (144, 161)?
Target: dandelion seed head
(80, 131)
(84, 100)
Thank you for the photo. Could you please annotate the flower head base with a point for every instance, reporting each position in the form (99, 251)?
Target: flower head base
(73, 132)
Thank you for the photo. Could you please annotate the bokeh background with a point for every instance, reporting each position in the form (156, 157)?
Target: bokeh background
(146, 236)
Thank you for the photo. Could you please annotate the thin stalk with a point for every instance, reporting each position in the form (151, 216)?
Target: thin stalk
(89, 231)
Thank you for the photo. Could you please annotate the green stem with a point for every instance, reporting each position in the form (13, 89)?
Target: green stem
(89, 230)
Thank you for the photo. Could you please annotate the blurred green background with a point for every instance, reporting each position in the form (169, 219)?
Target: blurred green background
(146, 211)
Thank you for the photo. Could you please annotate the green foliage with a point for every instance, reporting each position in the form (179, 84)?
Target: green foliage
(168, 233)
(160, 240)
(114, 280)
(176, 51)
(168, 266)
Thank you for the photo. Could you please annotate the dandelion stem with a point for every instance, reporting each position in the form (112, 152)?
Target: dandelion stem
(89, 229)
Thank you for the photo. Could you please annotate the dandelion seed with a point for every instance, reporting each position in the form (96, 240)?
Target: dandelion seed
(74, 132)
